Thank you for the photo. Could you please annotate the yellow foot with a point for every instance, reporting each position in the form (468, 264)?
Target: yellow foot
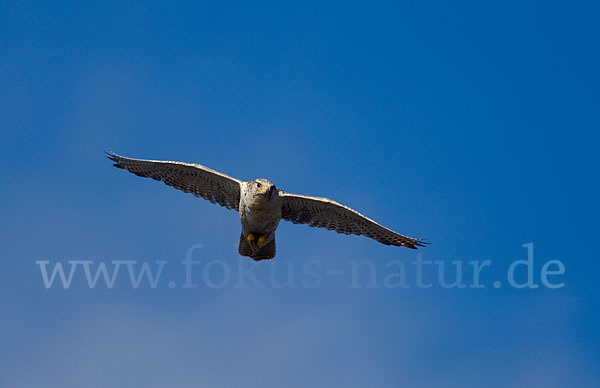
(250, 237)
(261, 241)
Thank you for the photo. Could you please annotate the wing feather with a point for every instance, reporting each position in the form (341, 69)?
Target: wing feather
(187, 177)
(326, 213)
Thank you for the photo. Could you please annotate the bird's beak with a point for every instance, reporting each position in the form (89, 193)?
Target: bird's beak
(268, 191)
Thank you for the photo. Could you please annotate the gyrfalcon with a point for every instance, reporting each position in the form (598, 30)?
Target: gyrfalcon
(262, 205)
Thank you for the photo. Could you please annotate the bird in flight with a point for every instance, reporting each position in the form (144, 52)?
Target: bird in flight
(262, 205)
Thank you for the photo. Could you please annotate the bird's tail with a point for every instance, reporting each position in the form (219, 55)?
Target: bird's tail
(265, 253)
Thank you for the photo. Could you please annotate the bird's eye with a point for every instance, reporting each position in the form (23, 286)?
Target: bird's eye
(258, 185)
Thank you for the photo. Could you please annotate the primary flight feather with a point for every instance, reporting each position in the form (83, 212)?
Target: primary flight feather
(262, 205)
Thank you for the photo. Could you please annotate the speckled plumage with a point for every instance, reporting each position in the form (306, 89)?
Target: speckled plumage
(261, 205)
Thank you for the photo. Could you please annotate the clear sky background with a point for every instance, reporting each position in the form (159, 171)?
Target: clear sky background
(472, 124)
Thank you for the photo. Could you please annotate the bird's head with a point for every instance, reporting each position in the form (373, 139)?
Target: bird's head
(263, 186)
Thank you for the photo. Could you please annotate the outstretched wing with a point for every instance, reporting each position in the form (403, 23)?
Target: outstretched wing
(328, 214)
(187, 177)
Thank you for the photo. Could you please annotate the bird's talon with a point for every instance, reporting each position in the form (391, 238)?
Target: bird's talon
(261, 241)
(250, 237)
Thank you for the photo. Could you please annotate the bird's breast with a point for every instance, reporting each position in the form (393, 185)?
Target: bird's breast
(260, 215)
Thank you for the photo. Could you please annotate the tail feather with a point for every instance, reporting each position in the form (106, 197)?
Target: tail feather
(265, 253)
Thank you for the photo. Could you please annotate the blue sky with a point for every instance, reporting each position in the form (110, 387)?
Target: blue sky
(473, 125)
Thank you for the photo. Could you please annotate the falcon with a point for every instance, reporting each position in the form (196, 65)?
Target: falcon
(262, 205)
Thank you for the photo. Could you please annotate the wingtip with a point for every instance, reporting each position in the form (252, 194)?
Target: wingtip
(417, 243)
(115, 158)
(422, 243)
(111, 155)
